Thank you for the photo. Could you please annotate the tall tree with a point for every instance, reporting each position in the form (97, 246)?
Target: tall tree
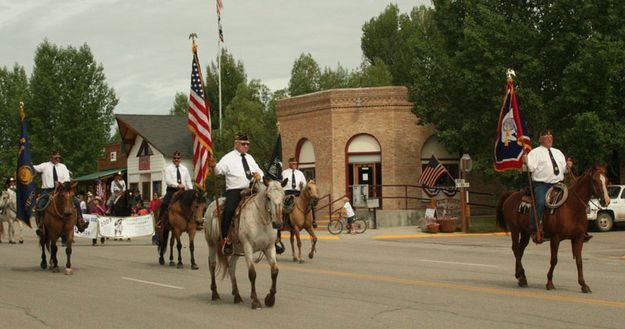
(304, 76)
(72, 106)
(13, 90)
(367, 75)
(232, 75)
(181, 105)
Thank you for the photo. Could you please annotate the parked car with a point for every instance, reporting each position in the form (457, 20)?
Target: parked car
(605, 217)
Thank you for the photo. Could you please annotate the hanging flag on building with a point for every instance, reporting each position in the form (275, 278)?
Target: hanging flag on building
(199, 121)
(512, 140)
(275, 164)
(432, 173)
(25, 187)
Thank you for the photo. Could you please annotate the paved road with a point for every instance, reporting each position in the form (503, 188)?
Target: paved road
(388, 278)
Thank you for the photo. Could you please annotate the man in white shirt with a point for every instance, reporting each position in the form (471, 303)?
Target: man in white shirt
(239, 167)
(295, 179)
(177, 178)
(548, 166)
(54, 173)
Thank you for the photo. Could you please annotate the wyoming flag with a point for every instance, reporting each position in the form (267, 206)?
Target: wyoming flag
(511, 139)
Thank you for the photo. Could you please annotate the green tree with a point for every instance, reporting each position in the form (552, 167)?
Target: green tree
(376, 75)
(305, 76)
(13, 90)
(232, 75)
(181, 105)
(72, 106)
(331, 79)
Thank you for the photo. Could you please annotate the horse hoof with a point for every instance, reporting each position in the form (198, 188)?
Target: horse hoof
(55, 269)
(179, 266)
(256, 305)
(270, 300)
(43, 265)
(68, 271)
(21, 241)
(215, 296)
(586, 290)
(172, 264)
(550, 286)
(523, 282)
(238, 299)
(12, 242)
(295, 259)
(194, 267)
(301, 261)
(161, 261)
(311, 255)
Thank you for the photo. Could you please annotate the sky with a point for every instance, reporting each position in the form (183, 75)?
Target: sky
(144, 45)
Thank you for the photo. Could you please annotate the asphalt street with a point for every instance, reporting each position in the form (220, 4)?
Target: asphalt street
(386, 278)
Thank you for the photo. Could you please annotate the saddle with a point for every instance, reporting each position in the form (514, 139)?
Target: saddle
(288, 204)
(246, 196)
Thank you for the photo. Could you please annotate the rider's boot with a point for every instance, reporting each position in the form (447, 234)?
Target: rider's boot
(81, 224)
(587, 237)
(537, 236)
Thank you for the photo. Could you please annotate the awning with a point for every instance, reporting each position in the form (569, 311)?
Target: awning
(102, 174)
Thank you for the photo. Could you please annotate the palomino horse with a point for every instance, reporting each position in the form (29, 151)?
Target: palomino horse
(255, 233)
(185, 213)
(569, 222)
(301, 217)
(8, 209)
(59, 218)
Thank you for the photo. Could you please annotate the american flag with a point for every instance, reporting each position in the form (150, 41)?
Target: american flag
(220, 6)
(99, 192)
(432, 173)
(199, 122)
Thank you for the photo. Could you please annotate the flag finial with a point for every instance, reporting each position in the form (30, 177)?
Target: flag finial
(193, 36)
(510, 73)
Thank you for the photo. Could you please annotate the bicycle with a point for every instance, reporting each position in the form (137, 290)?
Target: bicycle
(336, 225)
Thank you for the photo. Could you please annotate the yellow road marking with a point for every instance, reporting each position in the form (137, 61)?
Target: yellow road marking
(287, 235)
(427, 235)
(465, 287)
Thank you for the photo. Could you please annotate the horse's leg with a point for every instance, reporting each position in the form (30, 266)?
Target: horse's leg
(42, 243)
(171, 248)
(299, 246)
(212, 264)
(251, 274)
(270, 254)
(178, 235)
(54, 263)
(21, 226)
(191, 234)
(292, 240)
(313, 240)
(68, 250)
(576, 246)
(555, 244)
(162, 245)
(233, 279)
(519, 242)
(11, 231)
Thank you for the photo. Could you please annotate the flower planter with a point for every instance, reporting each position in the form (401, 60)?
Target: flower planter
(447, 225)
(432, 227)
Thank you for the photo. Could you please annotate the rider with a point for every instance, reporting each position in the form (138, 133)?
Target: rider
(118, 187)
(11, 183)
(239, 167)
(295, 183)
(53, 174)
(548, 166)
(176, 178)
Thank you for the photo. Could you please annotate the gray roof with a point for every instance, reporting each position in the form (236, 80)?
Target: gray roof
(166, 133)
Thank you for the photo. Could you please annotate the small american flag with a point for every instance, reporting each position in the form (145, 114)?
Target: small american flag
(432, 173)
(99, 192)
(199, 122)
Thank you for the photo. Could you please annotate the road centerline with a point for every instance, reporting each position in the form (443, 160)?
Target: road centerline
(153, 283)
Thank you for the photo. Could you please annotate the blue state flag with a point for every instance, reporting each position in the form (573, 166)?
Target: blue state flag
(512, 140)
(24, 174)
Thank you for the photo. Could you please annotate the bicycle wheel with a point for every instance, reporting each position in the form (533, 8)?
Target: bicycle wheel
(360, 226)
(335, 226)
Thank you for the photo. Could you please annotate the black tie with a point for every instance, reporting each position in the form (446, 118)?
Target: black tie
(178, 175)
(246, 167)
(293, 178)
(556, 170)
(55, 176)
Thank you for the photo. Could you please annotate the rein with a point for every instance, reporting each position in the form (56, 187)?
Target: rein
(577, 195)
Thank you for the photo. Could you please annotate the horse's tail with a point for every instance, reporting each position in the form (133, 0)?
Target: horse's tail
(212, 233)
(501, 221)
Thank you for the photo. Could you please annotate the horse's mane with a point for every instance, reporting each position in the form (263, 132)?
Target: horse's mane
(185, 198)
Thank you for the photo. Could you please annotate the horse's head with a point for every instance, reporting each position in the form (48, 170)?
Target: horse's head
(600, 184)
(274, 195)
(312, 193)
(4, 199)
(64, 199)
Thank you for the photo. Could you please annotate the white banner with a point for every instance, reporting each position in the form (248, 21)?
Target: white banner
(117, 227)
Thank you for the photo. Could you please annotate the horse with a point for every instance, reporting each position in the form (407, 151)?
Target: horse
(59, 218)
(255, 233)
(301, 217)
(185, 213)
(123, 206)
(8, 207)
(569, 222)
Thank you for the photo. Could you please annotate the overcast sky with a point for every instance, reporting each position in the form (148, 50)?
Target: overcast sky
(144, 46)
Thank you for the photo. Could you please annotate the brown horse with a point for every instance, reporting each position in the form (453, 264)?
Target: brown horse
(301, 217)
(569, 222)
(59, 218)
(185, 214)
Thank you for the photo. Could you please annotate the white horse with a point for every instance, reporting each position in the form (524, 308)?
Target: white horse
(255, 234)
(8, 207)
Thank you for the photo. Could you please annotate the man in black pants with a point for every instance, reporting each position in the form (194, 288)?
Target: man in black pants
(176, 178)
(239, 167)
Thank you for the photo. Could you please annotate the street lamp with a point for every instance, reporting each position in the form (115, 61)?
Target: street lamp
(465, 166)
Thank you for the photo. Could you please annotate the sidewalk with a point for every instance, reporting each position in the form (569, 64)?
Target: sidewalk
(398, 232)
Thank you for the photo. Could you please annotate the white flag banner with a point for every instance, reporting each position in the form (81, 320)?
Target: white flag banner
(126, 227)
(90, 232)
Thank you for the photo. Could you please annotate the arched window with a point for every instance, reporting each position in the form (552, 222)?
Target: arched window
(306, 158)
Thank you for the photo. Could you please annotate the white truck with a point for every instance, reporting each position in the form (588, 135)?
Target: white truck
(605, 217)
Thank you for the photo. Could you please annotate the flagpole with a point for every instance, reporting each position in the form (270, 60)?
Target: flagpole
(219, 41)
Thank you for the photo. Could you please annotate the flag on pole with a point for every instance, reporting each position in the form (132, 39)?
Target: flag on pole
(220, 7)
(25, 187)
(432, 173)
(199, 122)
(275, 164)
(99, 190)
(512, 140)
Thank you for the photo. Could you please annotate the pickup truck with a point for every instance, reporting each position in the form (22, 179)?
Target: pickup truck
(605, 217)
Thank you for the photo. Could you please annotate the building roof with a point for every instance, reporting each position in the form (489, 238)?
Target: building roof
(166, 133)
(100, 174)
